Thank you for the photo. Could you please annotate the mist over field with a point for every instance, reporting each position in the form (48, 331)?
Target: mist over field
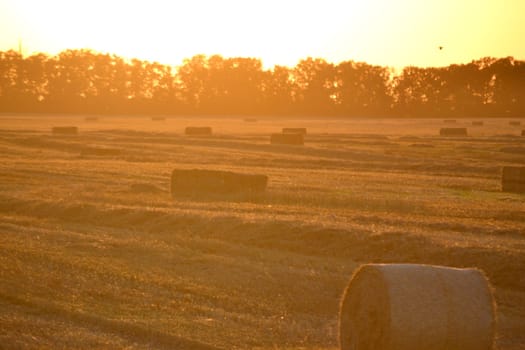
(97, 251)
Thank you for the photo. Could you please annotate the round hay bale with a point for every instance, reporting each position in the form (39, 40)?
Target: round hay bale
(412, 307)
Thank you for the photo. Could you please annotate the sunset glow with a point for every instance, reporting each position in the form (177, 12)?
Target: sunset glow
(384, 32)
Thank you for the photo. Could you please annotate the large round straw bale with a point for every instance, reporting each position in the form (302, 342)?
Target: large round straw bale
(294, 131)
(453, 132)
(413, 307)
(65, 130)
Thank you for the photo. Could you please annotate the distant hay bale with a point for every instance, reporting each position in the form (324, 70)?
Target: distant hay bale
(198, 130)
(203, 181)
(250, 120)
(91, 119)
(477, 123)
(294, 131)
(515, 123)
(449, 121)
(99, 151)
(65, 130)
(412, 307)
(453, 132)
(158, 119)
(287, 139)
(513, 179)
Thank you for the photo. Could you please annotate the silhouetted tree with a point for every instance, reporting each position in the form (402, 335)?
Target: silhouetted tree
(82, 81)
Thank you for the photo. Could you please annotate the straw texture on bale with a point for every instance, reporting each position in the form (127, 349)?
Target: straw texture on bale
(287, 139)
(477, 123)
(198, 130)
(453, 132)
(158, 119)
(65, 130)
(294, 131)
(515, 123)
(250, 120)
(203, 181)
(449, 121)
(513, 179)
(413, 307)
(91, 119)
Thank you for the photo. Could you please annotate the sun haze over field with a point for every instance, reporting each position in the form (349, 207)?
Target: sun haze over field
(384, 32)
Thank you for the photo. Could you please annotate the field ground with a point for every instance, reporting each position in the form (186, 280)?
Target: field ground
(95, 253)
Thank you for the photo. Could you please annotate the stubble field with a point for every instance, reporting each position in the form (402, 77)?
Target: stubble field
(96, 253)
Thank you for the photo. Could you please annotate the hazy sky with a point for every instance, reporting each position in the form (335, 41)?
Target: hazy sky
(386, 32)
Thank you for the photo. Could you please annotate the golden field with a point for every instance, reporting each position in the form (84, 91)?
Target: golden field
(96, 253)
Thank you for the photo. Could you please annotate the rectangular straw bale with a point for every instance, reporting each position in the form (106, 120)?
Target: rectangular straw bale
(198, 130)
(515, 123)
(65, 130)
(294, 131)
(204, 181)
(513, 179)
(287, 139)
(453, 132)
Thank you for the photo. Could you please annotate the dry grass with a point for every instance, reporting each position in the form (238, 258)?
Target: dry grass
(97, 254)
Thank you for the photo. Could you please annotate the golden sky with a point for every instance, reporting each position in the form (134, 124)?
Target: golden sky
(393, 33)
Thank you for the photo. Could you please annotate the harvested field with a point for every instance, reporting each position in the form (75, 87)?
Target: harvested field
(64, 130)
(96, 253)
(296, 139)
(453, 132)
(198, 130)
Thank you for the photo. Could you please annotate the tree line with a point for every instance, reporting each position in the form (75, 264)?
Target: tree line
(82, 81)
